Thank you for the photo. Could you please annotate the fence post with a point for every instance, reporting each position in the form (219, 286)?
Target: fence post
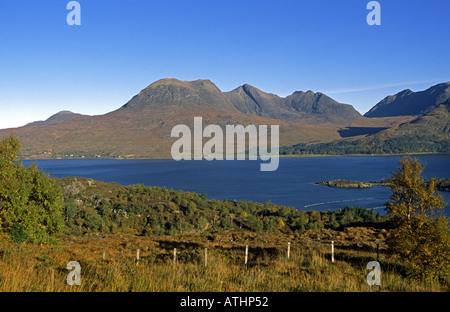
(332, 251)
(378, 251)
(174, 256)
(289, 250)
(206, 257)
(246, 254)
(137, 257)
(104, 256)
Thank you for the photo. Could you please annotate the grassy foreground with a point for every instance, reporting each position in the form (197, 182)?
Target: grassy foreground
(108, 264)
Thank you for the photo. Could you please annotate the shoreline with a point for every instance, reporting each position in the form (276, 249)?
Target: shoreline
(279, 156)
(361, 155)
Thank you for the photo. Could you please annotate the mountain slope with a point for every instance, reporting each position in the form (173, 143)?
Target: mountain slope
(428, 133)
(62, 115)
(142, 127)
(408, 102)
(172, 93)
(435, 123)
(307, 107)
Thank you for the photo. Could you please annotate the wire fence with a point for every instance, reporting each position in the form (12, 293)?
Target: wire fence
(248, 253)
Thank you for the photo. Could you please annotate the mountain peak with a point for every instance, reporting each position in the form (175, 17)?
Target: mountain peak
(306, 106)
(248, 86)
(407, 102)
(177, 93)
(177, 82)
(60, 116)
(164, 81)
(63, 113)
(404, 92)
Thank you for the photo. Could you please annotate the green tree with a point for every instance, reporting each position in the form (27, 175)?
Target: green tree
(225, 222)
(420, 235)
(254, 223)
(30, 201)
(70, 209)
(91, 219)
(201, 223)
(191, 209)
(314, 216)
(105, 208)
(270, 224)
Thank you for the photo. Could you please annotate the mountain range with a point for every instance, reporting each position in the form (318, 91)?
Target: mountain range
(141, 128)
(408, 102)
(306, 106)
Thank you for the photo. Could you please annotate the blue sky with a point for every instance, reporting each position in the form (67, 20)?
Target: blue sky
(278, 46)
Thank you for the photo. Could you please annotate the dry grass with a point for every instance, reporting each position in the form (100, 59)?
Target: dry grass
(33, 268)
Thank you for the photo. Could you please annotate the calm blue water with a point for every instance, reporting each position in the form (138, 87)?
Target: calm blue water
(291, 185)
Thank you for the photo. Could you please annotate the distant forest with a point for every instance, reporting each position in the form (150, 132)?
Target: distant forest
(398, 145)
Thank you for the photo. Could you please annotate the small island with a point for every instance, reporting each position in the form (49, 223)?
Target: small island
(441, 185)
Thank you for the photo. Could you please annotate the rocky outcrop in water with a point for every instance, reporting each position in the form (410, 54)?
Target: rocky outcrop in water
(441, 184)
(352, 184)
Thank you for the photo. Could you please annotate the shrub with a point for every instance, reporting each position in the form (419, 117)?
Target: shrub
(18, 233)
(29, 198)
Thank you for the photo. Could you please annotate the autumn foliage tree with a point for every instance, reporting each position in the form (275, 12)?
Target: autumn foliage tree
(30, 202)
(420, 234)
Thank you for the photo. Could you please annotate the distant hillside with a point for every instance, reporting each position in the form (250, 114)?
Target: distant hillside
(301, 106)
(428, 133)
(160, 211)
(436, 122)
(408, 102)
(309, 122)
(62, 115)
(142, 127)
